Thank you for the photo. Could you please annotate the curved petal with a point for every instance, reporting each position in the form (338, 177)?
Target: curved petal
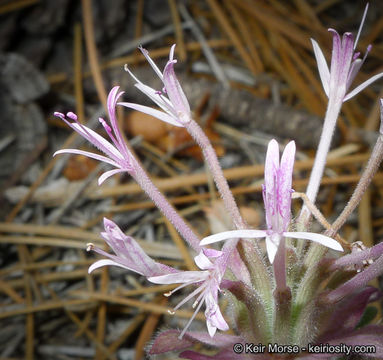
(181, 277)
(214, 317)
(97, 140)
(202, 261)
(153, 112)
(234, 234)
(105, 262)
(158, 99)
(319, 238)
(174, 89)
(362, 86)
(108, 174)
(88, 154)
(324, 72)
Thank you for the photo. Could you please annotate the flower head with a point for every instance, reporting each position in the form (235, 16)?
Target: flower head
(117, 153)
(209, 280)
(345, 65)
(277, 198)
(128, 253)
(175, 106)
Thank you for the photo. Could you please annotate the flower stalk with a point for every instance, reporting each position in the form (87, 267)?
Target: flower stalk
(345, 65)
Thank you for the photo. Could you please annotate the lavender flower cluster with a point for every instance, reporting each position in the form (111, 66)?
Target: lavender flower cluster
(296, 295)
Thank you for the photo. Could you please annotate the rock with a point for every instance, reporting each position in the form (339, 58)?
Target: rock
(46, 17)
(22, 80)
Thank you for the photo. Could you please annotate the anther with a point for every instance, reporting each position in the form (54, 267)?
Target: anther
(89, 247)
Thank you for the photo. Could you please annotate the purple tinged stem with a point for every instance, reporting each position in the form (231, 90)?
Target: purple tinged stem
(252, 251)
(211, 159)
(162, 203)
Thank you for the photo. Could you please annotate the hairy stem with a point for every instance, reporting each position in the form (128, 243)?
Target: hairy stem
(253, 251)
(211, 159)
(164, 206)
(332, 113)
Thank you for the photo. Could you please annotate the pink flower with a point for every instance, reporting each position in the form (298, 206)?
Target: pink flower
(175, 106)
(277, 198)
(117, 153)
(209, 279)
(129, 255)
(345, 65)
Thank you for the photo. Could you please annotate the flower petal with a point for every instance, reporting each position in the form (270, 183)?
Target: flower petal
(284, 181)
(324, 72)
(214, 318)
(98, 141)
(181, 277)
(108, 174)
(270, 188)
(131, 253)
(174, 90)
(105, 262)
(157, 98)
(202, 261)
(271, 249)
(362, 86)
(319, 238)
(153, 112)
(234, 234)
(88, 154)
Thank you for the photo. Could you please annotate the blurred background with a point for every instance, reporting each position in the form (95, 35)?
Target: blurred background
(248, 70)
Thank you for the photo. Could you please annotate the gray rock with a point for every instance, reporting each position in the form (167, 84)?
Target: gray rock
(21, 79)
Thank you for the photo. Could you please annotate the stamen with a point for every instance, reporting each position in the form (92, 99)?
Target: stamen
(180, 287)
(369, 47)
(190, 321)
(60, 115)
(194, 293)
(105, 125)
(200, 297)
(71, 115)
